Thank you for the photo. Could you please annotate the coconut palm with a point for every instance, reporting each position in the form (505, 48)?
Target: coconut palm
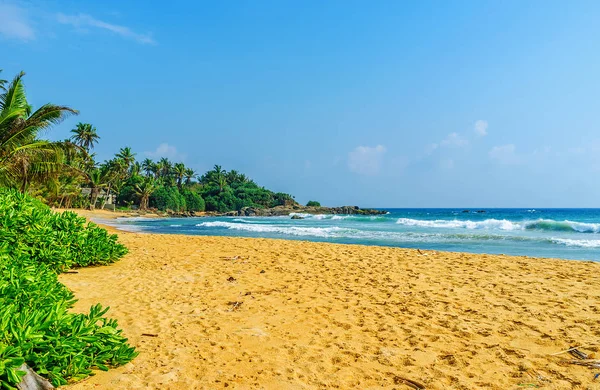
(97, 179)
(148, 166)
(157, 169)
(84, 135)
(233, 176)
(144, 190)
(23, 157)
(166, 167)
(179, 172)
(189, 175)
(127, 156)
(2, 83)
(135, 169)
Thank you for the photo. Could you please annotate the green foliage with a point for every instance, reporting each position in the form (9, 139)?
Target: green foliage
(167, 198)
(226, 191)
(59, 240)
(35, 325)
(193, 201)
(313, 203)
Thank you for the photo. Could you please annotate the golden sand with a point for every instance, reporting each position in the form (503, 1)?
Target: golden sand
(274, 314)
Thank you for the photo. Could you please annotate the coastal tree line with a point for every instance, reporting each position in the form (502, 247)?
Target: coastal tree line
(67, 174)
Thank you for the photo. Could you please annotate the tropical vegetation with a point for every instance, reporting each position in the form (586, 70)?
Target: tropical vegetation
(36, 326)
(66, 174)
(37, 244)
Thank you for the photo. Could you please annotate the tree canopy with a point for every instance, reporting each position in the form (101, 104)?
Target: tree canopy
(66, 174)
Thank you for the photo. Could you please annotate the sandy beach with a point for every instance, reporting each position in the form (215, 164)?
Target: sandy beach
(216, 312)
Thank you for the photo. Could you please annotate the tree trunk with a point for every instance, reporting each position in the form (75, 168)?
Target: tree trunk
(92, 198)
(106, 197)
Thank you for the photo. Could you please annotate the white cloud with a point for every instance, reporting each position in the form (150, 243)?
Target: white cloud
(82, 21)
(481, 127)
(366, 160)
(14, 23)
(454, 140)
(168, 151)
(505, 154)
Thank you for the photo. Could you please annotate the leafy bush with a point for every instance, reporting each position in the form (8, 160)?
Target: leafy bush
(59, 240)
(193, 201)
(313, 203)
(35, 325)
(168, 198)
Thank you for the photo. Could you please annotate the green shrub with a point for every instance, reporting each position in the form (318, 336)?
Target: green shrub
(35, 325)
(193, 201)
(62, 240)
(313, 203)
(167, 198)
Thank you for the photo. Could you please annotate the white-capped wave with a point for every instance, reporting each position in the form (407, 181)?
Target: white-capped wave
(577, 243)
(303, 215)
(241, 220)
(562, 226)
(504, 224)
(501, 224)
(292, 230)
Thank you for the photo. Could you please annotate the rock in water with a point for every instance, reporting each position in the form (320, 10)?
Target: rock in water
(32, 381)
(297, 217)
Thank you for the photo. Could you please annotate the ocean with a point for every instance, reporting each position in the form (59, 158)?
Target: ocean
(557, 233)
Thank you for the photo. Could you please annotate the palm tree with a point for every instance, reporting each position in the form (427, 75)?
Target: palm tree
(166, 167)
(148, 166)
(135, 169)
(126, 155)
(144, 190)
(2, 83)
(84, 135)
(157, 169)
(233, 176)
(179, 172)
(97, 179)
(23, 157)
(218, 178)
(189, 175)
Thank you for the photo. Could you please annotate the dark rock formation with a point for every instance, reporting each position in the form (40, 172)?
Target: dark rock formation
(287, 210)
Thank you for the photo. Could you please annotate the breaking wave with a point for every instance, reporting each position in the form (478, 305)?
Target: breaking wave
(503, 224)
(576, 243)
(291, 230)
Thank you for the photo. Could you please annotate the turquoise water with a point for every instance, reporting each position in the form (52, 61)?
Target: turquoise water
(559, 233)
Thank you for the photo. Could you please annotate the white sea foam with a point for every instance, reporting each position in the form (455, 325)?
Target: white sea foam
(577, 243)
(292, 230)
(303, 215)
(503, 224)
(138, 219)
(565, 226)
(132, 228)
(458, 224)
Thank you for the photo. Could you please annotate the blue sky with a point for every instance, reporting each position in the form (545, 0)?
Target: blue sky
(381, 104)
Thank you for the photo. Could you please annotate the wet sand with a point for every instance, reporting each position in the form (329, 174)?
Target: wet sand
(273, 314)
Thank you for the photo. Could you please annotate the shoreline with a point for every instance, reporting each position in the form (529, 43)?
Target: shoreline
(102, 217)
(266, 313)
